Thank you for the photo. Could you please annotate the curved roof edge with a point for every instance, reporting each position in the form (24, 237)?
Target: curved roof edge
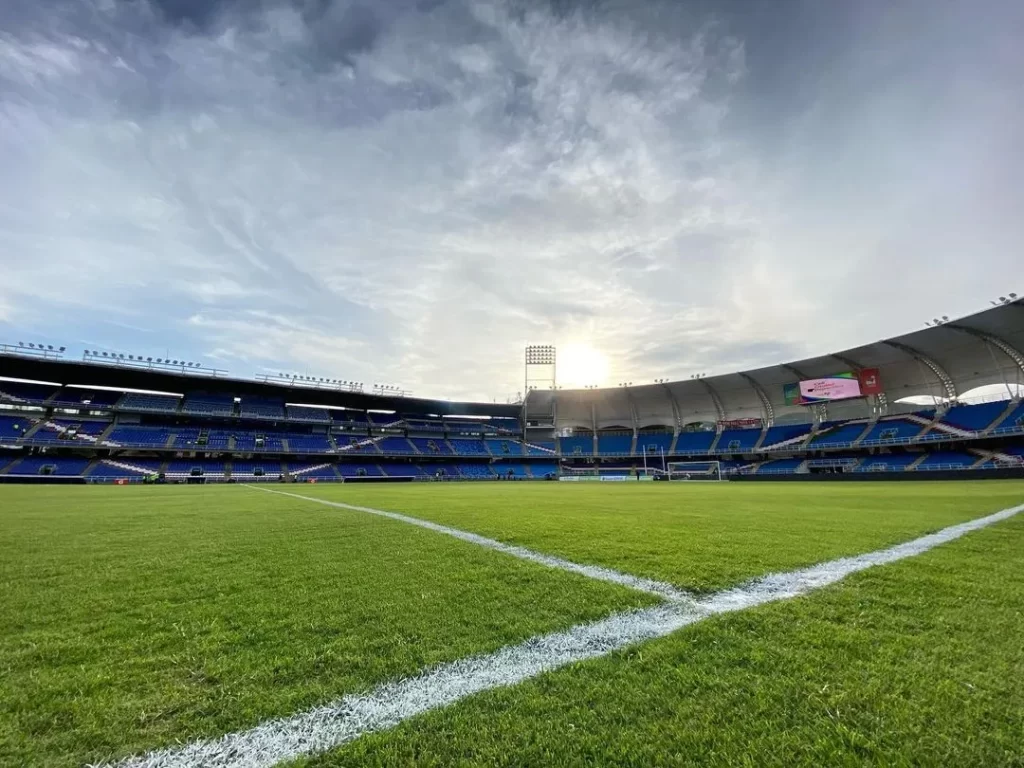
(941, 361)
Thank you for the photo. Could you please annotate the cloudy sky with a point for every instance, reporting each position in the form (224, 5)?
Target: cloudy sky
(408, 191)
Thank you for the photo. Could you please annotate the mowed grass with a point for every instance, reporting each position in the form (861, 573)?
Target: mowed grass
(919, 663)
(700, 536)
(132, 618)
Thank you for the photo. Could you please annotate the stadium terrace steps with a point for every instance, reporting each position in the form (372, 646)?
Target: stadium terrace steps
(916, 462)
(1007, 417)
(127, 466)
(868, 427)
(4, 470)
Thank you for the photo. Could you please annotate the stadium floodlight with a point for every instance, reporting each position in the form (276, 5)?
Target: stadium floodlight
(1002, 299)
(63, 349)
(1012, 296)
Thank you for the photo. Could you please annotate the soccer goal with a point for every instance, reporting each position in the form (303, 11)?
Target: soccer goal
(695, 470)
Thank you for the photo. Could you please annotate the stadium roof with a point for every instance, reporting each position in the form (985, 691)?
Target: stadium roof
(69, 372)
(942, 362)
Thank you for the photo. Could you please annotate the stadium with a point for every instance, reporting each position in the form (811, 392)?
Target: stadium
(698, 430)
(125, 419)
(205, 570)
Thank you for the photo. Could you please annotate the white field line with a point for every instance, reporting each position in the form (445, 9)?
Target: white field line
(659, 588)
(345, 720)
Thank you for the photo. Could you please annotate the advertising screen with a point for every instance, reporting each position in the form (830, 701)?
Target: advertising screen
(842, 386)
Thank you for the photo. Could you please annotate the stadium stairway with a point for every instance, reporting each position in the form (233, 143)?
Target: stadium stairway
(372, 442)
(36, 426)
(1011, 406)
(916, 462)
(714, 443)
(998, 456)
(540, 448)
(127, 466)
(285, 447)
(314, 468)
(672, 446)
(51, 426)
(104, 436)
(7, 470)
(760, 439)
(632, 445)
(786, 443)
(867, 431)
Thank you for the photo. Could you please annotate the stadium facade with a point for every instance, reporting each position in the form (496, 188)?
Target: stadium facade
(841, 414)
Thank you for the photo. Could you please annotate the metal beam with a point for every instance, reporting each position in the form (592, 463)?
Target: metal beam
(676, 413)
(1003, 346)
(945, 380)
(719, 409)
(766, 403)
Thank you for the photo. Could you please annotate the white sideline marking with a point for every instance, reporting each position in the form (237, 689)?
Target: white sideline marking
(348, 718)
(659, 588)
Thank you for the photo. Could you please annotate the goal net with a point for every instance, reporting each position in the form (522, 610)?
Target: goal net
(695, 470)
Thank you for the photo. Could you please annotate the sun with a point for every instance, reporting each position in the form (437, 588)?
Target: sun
(580, 365)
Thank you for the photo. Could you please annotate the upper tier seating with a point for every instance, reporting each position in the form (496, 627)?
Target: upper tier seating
(423, 425)
(843, 435)
(505, 424)
(16, 391)
(503, 447)
(62, 466)
(68, 429)
(784, 433)
(155, 437)
(137, 401)
(893, 430)
(205, 404)
(431, 446)
(694, 443)
(577, 445)
(654, 443)
(466, 447)
(738, 440)
(615, 445)
(312, 415)
(14, 427)
(255, 408)
(393, 445)
(309, 444)
(381, 419)
(73, 396)
(1014, 420)
(974, 417)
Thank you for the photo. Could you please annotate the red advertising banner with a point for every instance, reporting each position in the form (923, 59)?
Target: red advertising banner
(870, 381)
(740, 423)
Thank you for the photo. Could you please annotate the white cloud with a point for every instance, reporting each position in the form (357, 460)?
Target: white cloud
(413, 195)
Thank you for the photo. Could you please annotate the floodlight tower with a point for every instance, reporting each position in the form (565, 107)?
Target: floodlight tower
(540, 368)
(539, 372)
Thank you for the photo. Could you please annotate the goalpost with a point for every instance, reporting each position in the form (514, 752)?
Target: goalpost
(695, 470)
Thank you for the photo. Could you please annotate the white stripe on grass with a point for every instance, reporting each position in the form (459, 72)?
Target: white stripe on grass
(345, 720)
(659, 588)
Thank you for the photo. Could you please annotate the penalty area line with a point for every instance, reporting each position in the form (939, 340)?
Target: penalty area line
(600, 573)
(387, 705)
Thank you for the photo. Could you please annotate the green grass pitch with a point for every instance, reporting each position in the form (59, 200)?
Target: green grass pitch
(138, 617)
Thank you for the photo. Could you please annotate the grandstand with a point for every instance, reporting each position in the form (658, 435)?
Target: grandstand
(82, 426)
